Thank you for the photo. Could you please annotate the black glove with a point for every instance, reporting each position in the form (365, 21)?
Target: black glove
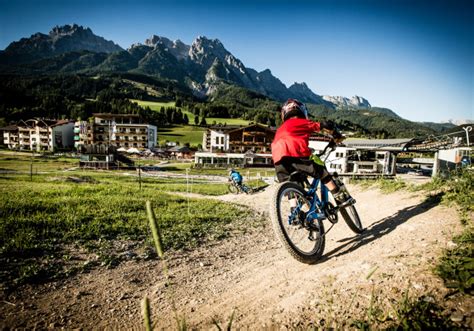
(327, 125)
(336, 135)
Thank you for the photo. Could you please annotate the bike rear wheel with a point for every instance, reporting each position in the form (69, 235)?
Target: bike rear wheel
(305, 242)
(247, 189)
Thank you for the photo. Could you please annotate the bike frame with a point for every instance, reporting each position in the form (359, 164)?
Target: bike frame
(316, 203)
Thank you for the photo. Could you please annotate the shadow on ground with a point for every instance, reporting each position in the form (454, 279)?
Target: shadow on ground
(383, 227)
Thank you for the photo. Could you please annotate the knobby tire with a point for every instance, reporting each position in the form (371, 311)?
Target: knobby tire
(279, 223)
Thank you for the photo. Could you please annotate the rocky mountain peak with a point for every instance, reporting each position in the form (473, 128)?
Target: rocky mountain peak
(360, 102)
(355, 102)
(265, 73)
(154, 40)
(212, 47)
(176, 48)
(302, 92)
(68, 30)
(61, 39)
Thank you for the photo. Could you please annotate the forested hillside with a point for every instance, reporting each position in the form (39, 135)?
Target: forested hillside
(79, 96)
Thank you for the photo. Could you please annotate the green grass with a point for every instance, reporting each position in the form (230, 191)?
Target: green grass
(53, 208)
(456, 266)
(228, 121)
(181, 133)
(22, 162)
(42, 215)
(154, 105)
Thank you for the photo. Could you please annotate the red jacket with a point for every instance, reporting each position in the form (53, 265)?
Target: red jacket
(292, 138)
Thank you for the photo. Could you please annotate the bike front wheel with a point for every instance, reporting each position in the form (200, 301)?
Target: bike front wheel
(303, 239)
(233, 189)
(352, 219)
(349, 213)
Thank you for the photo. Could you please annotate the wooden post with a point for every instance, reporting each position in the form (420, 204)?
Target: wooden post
(140, 176)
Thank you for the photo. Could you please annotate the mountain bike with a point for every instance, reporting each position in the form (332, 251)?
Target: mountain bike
(299, 209)
(239, 188)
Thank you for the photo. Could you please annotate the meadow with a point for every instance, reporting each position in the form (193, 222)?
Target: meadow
(44, 213)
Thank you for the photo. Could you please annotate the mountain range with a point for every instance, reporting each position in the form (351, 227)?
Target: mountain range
(202, 66)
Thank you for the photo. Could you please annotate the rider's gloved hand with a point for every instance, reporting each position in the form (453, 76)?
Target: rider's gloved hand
(327, 126)
(337, 136)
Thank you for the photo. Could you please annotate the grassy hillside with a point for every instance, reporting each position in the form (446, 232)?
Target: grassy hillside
(181, 133)
(154, 105)
(185, 133)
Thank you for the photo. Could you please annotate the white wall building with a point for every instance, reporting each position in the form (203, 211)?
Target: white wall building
(367, 159)
(40, 135)
(118, 130)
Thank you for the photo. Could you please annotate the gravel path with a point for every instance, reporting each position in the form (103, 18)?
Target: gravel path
(252, 277)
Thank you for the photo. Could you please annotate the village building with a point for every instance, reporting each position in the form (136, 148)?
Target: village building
(117, 130)
(368, 157)
(39, 135)
(236, 145)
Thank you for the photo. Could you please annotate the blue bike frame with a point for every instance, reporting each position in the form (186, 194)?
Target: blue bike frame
(316, 203)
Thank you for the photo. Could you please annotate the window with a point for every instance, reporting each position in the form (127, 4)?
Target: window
(222, 140)
(217, 140)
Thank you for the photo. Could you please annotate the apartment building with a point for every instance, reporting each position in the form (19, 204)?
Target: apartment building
(118, 130)
(39, 135)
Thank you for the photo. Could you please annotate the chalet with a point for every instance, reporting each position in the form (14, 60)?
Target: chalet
(236, 145)
(180, 152)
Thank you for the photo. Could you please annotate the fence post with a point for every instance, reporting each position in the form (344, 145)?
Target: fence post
(140, 176)
(187, 188)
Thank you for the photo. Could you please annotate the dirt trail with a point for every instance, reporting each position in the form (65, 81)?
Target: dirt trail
(252, 276)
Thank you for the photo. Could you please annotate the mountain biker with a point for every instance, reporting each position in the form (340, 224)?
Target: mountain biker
(290, 148)
(235, 176)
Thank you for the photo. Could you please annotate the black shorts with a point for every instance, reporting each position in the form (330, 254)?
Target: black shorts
(288, 165)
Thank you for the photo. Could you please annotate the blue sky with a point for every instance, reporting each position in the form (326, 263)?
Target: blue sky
(414, 57)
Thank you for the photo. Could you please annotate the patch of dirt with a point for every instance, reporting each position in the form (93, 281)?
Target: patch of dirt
(252, 276)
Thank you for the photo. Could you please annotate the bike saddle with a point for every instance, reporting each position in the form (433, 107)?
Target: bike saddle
(298, 177)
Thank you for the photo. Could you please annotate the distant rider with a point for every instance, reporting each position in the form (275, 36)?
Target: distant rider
(290, 148)
(235, 176)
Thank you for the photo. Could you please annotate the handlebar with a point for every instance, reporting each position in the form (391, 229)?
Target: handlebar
(332, 146)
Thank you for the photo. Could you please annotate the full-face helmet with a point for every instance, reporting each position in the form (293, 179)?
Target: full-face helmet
(293, 107)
